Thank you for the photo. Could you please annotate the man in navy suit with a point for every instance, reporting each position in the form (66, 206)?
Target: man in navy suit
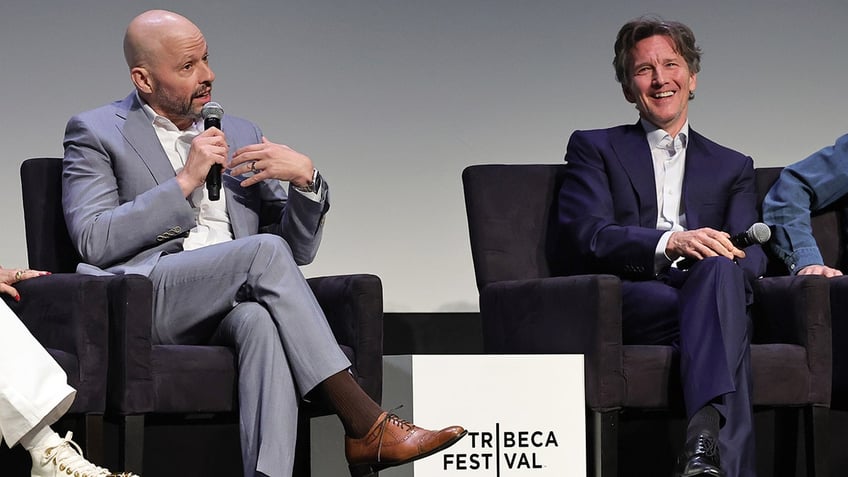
(654, 203)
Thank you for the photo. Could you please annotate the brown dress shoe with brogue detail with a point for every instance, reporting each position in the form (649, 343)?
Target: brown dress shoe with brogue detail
(393, 441)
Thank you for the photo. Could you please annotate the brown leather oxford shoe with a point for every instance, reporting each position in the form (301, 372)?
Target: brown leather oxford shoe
(393, 441)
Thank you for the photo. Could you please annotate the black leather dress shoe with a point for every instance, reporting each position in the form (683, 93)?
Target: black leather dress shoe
(700, 458)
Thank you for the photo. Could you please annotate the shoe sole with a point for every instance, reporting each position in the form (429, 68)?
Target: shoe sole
(367, 470)
(702, 474)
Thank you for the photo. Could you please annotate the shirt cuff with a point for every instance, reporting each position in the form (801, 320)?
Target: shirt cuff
(661, 260)
(317, 196)
(804, 257)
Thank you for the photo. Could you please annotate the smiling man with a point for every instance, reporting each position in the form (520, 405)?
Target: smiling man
(641, 200)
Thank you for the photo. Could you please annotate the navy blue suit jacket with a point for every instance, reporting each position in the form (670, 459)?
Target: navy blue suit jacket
(608, 205)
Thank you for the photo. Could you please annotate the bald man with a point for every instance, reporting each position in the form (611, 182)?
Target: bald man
(223, 271)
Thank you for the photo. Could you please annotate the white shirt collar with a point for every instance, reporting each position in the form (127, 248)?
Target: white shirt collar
(655, 134)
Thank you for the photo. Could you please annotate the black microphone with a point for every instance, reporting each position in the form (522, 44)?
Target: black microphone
(211, 114)
(759, 233)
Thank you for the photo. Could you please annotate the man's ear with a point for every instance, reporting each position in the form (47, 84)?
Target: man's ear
(141, 79)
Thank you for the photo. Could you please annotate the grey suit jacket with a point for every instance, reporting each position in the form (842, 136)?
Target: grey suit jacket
(124, 208)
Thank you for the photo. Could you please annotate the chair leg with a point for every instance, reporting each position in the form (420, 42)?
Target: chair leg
(817, 440)
(93, 425)
(302, 457)
(785, 441)
(605, 443)
(132, 443)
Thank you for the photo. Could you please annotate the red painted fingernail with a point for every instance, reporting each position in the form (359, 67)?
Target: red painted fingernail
(17, 298)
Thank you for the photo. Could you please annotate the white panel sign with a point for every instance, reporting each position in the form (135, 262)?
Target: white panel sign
(525, 414)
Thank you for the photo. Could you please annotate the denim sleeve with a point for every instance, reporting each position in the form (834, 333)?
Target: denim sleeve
(802, 189)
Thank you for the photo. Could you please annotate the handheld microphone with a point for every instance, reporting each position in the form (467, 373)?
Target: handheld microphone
(759, 233)
(211, 114)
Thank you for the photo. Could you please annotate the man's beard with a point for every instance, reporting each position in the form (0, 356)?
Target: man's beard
(181, 108)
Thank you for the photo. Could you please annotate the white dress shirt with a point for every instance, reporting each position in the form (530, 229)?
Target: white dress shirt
(669, 158)
(211, 217)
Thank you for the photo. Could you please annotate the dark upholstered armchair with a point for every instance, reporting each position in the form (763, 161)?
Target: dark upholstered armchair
(67, 315)
(829, 229)
(145, 378)
(527, 308)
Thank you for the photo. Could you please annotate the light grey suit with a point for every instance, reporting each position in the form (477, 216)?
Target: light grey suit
(126, 214)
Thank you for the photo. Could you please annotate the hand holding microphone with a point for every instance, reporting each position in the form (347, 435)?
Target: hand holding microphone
(211, 114)
(757, 234)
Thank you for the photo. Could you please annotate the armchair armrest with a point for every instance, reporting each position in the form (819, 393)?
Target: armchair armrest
(353, 305)
(578, 314)
(792, 310)
(839, 329)
(796, 310)
(67, 312)
(131, 317)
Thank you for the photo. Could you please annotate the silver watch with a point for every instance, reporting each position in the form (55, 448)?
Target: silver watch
(312, 186)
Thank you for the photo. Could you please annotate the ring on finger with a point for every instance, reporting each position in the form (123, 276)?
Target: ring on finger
(253, 167)
(18, 275)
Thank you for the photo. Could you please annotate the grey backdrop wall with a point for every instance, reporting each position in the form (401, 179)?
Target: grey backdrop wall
(393, 98)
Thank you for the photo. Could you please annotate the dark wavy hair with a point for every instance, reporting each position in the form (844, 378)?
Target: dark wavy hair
(637, 30)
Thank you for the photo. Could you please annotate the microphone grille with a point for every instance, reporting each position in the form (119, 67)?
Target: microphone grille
(211, 110)
(759, 233)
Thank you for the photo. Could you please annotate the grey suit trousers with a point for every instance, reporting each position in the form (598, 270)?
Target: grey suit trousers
(250, 294)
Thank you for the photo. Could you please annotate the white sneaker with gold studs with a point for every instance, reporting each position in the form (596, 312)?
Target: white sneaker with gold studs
(65, 459)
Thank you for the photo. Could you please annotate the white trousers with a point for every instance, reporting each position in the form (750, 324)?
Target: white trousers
(34, 390)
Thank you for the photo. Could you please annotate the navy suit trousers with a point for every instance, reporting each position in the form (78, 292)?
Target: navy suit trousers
(702, 312)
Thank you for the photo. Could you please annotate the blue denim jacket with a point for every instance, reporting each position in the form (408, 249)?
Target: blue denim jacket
(804, 188)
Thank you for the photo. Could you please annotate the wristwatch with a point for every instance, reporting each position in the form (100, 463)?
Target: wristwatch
(314, 185)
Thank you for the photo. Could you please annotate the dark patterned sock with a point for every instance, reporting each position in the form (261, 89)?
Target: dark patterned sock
(357, 411)
(707, 418)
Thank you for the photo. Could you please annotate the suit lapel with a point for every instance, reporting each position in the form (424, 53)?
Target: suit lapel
(235, 205)
(140, 135)
(696, 182)
(634, 154)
